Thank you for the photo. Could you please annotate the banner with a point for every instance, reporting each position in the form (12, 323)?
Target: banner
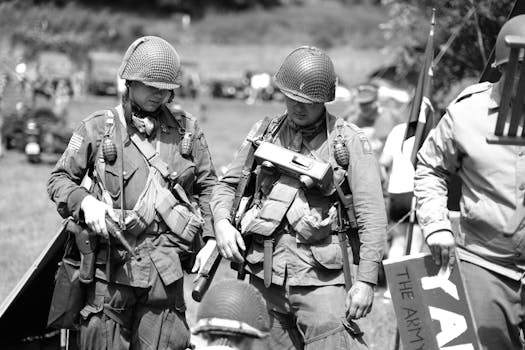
(431, 306)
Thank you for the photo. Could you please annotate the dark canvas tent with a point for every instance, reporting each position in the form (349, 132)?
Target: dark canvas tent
(23, 315)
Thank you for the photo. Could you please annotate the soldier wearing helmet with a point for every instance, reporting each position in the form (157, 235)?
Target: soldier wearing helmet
(293, 257)
(151, 173)
(231, 316)
(370, 117)
(488, 243)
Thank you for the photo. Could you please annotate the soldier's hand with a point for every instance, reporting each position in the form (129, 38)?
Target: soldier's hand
(204, 255)
(95, 215)
(229, 240)
(442, 244)
(359, 300)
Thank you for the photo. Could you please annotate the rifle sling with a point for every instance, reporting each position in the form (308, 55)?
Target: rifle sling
(247, 168)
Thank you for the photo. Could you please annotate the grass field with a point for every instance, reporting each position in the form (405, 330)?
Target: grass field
(28, 219)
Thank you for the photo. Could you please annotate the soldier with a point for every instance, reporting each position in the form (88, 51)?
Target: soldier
(231, 316)
(152, 173)
(490, 237)
(295, 258)
(373, 120)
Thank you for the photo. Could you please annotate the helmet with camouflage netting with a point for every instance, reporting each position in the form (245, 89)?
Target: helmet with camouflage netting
(235, 308)
(514, 26)
(152, 61)
(307, 75)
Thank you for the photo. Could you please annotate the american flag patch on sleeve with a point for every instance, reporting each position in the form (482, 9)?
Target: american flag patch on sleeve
(75, 142)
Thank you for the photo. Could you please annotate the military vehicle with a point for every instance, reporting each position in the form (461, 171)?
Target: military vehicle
(102, 72)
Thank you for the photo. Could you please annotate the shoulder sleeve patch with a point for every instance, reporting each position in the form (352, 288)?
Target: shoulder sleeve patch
(365, 144)
(75, 142)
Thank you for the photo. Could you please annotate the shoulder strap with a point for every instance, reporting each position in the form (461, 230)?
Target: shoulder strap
(248, 167)
(150, 154)
(99, 168)
(345, 198)
(120, 150)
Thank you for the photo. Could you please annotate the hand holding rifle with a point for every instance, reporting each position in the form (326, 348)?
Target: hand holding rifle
(101, 219)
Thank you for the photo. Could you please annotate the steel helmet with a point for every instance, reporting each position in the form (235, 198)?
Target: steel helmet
(152, 61)
(514, 26)
(232, 307)
(307, 75)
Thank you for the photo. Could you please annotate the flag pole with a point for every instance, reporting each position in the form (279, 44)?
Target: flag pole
(418, 111)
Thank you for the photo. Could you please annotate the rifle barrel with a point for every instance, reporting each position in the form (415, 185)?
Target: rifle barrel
(116, 232)
(208, 271)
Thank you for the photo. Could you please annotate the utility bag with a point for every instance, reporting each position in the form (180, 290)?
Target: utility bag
(69, 292)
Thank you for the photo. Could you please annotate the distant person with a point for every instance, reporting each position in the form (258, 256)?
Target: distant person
(371, 118)
(231, 315)
(294, 258)
(490, 239)
(152, 174)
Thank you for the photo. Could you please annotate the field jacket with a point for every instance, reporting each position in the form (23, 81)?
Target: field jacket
(307, 262)
(159, 248)
(493, 183)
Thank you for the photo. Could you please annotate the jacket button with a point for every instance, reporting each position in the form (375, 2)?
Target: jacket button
(522, 187)
(520, 154)
(517, 254)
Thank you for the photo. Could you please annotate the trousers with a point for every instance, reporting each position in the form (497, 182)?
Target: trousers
(309, 317)
(120, 317)
(498, 306)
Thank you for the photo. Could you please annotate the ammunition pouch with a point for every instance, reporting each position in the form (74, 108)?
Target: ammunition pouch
(264, 220)
(183, 219)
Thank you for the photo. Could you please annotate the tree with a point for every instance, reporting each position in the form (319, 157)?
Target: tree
(473, 26)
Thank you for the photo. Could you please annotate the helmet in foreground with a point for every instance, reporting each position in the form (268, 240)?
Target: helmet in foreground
(152, 61)
(307, 75)
(514, 26)
(233, 308)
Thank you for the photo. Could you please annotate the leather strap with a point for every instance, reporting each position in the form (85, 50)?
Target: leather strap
(120, 150)
(268, 261)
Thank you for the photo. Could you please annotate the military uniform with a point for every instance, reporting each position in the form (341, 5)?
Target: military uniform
(493, 188)
(138, 297)
(306, 298)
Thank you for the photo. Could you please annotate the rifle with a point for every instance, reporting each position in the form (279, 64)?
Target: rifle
(203, 280)
(343, 244)
(87, 242)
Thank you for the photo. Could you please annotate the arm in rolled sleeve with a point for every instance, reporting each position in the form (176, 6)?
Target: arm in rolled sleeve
(206, 180)
(369, 207)
(438, 159)
(63, 185)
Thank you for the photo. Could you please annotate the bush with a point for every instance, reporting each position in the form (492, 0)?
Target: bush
(464, 58)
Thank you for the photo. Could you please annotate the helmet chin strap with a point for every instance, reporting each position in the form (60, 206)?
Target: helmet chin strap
(131, 108)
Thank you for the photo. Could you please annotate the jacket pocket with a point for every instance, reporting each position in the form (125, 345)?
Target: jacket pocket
(328, 253)
(112, 177)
